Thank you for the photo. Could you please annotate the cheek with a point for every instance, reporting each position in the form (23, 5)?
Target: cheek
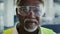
(21, 18)
(38, 19)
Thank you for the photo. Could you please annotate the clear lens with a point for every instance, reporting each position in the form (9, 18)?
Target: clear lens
(23, 10)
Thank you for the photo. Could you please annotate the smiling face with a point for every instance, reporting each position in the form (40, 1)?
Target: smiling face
(29, 20)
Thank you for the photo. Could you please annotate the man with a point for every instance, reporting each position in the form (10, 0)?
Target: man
(29, 13)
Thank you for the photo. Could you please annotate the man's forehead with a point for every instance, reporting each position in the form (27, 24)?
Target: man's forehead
(30, 3)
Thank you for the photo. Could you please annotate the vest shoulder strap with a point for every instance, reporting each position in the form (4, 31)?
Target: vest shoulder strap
(8, 31)
(47, 31)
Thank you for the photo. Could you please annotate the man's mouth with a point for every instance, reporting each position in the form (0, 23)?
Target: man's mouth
(30, 23)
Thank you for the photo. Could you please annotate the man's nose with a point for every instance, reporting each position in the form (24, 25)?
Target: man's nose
(31, 14)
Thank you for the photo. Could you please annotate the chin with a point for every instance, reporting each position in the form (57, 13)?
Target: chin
(30, 30)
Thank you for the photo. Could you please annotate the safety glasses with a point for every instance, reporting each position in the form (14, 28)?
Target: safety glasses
(24, 10)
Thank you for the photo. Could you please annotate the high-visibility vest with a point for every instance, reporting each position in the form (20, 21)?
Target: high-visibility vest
(44, 30)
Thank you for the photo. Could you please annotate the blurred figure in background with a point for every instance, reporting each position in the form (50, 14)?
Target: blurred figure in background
(29, 13)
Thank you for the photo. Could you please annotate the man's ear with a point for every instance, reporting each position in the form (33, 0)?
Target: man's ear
(16, 11)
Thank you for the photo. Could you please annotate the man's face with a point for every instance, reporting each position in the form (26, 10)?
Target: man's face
(29, 18)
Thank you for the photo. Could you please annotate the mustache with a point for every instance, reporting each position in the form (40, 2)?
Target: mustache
(33, 20)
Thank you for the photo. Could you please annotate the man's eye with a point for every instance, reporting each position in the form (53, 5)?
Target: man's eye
(22, 11)
(36, 10)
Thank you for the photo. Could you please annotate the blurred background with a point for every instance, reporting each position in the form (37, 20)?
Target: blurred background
(50, 19)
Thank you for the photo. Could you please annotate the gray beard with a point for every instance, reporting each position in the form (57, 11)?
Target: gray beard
(31, 30)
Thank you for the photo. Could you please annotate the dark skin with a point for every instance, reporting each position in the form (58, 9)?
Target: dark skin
(31, 15)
